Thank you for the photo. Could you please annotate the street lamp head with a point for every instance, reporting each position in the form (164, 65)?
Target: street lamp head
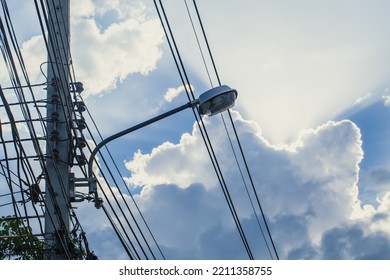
(217, 100)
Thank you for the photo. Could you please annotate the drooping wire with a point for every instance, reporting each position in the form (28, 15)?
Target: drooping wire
(236, 134)
(198, 43)
(128, 190)
(10, 182)
(121, 239)
(8, 58)
(63, 46)
(119, 190)
(183, 75)
(21, 157)
(224, 123)
(245, 185)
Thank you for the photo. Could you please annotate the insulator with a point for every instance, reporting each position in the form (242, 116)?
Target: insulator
(55, 99)
(81, 160)
(98, 203)
(54, 83)
(55, 117)
(54, 135)
(81, 124)
(56, 153)
(81, 142)
(77, 87)
(80, 105)
(35, 191)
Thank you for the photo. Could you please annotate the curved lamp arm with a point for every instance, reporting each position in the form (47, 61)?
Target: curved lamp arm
(134, 128)
(211, 102)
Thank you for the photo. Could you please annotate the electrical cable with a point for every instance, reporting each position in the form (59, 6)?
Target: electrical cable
(128, 251)
(202, 126)
(56, 15)
(58, 69)
(112, 208)
(236, 134)
(25, 112)
(124, 215)
(14, 202)
(22, 164)
(128, 190)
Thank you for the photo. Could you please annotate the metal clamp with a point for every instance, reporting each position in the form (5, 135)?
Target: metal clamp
(81, 182)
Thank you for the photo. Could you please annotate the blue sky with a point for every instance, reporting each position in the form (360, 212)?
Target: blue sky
(313, 80)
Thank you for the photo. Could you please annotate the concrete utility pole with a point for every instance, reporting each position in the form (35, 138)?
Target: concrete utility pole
(58, 144)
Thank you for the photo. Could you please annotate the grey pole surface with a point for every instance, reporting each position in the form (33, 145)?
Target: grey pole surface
(58, 142)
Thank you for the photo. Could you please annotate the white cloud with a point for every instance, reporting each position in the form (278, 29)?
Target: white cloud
(123, 48)
(308, 191)
(35, 57)
(386, 98)
(82, 9)
(364, 98)
(295, 65)
(172, 93)
(294, 68)
(374, 184)
(146, 169)
(103, 57)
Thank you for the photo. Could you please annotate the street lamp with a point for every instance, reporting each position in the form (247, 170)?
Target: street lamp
(211, 102)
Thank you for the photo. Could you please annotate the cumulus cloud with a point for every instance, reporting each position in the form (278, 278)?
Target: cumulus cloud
(35, 57)
(374, 183)
(309, 192)
(295, 65)
(125, 47)
(310, 189)
(104, 56)
(364, 98)
(172, 93)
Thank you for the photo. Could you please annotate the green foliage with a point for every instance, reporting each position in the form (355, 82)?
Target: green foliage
(17, 242)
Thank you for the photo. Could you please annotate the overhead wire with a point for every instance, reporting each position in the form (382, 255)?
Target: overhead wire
(71, 77)
(121, 239)
(123, 215)
(60, 69)
(129, 192)
(223, 119)
(183, 75)
(24, 103)
(25, 110)
(43, 19)
(14, 202)
(119, 190)
(203, 130)
(237, 139)
(7, 56)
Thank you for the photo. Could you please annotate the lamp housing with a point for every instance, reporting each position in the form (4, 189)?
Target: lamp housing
(217, 100)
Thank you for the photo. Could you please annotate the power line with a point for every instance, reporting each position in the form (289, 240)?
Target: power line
(128, 190)
(183, 75)
(121, 194)
(236, 135)
(23, 165)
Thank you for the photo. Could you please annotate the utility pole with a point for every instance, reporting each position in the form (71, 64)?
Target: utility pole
(58, 143)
